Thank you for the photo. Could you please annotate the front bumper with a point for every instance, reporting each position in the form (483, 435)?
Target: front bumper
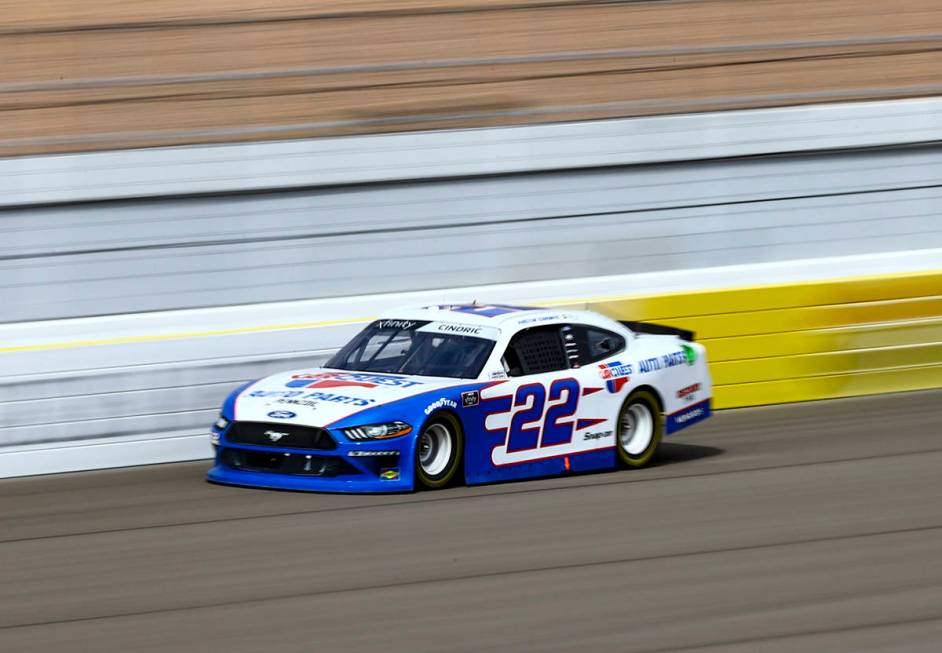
(347, 468)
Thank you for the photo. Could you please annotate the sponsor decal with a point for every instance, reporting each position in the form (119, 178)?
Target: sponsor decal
(339, 399)
(688, 392)
(276, 393)
(497, 375)
(441, 403)
(307, 403)
(687, 416)
(391, 474)
(683, 418)
(282, 414)
(686, 356)
(542, 318)
(395, 324)
(616, 374)
(312, 381)
(469, 399)
(459, 329)
(344, 379)
(648, 365)
(274, 436)
(597, 435)
(300, 397)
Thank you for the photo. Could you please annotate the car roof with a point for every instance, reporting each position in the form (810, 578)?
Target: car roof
(495, 315)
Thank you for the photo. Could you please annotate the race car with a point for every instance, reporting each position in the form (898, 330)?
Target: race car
(427, 396)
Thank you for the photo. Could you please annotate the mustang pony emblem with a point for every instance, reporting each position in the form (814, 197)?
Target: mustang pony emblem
(274, 436)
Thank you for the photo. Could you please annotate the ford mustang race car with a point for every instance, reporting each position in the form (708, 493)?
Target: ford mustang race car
(487, 392)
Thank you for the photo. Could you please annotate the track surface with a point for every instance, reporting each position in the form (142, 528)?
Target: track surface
(809, 527)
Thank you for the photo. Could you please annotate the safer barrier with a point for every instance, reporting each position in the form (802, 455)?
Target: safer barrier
(805, 341)
(131, 390)
(453, 154)
(138, 380)
(131, 257)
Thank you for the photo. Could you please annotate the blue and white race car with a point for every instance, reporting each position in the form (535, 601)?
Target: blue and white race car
(491, 392)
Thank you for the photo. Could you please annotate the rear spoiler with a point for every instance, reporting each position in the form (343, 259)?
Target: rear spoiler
(659, 330)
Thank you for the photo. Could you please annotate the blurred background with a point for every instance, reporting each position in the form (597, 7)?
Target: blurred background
(175, 175)
(193, 195)
(197, 194)
(102, 75)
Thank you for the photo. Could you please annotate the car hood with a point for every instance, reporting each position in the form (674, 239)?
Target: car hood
(323, 396)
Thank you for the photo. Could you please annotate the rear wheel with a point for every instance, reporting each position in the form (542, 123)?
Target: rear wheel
(640, 428)
(438, 451)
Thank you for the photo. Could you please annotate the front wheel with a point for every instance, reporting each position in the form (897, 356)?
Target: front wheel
(640, 428)
(438, 451)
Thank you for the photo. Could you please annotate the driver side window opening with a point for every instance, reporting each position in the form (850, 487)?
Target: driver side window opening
(556, 347)
(535, 351)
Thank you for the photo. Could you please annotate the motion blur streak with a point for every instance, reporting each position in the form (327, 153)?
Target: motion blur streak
(158, 254)
(254, 69)
(152, 559)
(813, 340)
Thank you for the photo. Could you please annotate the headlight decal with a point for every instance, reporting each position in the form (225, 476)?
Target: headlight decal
(378, 431)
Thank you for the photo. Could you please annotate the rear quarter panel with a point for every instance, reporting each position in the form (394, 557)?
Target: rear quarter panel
(678, 372)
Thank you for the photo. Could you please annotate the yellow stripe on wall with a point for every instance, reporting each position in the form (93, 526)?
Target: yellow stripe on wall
(828, 387)
(857, 336)
(811, 340)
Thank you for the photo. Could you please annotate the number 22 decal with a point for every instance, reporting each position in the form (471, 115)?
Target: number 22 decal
(530, 427)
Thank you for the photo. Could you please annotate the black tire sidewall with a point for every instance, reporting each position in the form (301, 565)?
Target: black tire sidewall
(451, 422)
(650, 401)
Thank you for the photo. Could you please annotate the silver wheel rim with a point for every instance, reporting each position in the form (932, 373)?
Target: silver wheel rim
(637, 429)
(435, 447)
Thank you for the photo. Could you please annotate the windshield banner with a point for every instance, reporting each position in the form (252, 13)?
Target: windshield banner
(455, 329)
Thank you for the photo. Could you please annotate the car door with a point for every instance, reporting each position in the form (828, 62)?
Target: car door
(536, 418)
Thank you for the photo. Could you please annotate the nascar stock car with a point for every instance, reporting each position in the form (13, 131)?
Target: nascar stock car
(490, 392)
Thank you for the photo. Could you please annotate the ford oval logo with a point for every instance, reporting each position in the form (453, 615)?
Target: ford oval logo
(281, 414)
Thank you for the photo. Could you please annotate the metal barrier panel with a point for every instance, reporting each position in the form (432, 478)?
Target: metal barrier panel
(812, 340)
(123, 390)
(307, 163)
(126, 257)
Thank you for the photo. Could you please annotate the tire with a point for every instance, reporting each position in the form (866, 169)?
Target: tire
(639, 429)
(438, 451)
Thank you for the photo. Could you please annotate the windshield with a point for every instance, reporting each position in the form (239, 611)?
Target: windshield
(399, 347)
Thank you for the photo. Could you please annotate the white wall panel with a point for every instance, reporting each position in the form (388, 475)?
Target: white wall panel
(59, 262)
(283, 165)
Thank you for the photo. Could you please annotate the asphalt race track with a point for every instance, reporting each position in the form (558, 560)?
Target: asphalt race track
(813, 527)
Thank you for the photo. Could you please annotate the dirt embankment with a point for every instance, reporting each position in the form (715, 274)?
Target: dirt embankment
(105, 74)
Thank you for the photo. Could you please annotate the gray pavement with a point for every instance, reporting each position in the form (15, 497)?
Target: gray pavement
(812, 527)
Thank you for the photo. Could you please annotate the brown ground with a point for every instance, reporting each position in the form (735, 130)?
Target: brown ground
(104, 74)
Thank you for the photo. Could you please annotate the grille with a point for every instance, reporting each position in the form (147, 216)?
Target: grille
(279, 463)
(283, 436)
